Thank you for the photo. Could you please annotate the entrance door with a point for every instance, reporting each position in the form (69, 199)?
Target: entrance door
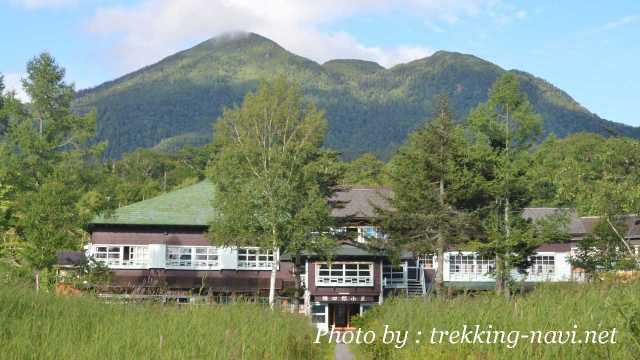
(340, 314)
(412, 270)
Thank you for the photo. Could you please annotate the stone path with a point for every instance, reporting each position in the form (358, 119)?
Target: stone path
(342, 352)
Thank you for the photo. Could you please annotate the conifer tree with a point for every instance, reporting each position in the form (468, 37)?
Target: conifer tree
(504, 128)
(433, 186)
(48, 161)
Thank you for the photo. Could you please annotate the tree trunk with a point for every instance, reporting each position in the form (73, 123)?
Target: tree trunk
(442, 245)
(506, 270)
(507, 231)
(274, 271)
(37, 278)
(440, 272)
(272, 281)
(296, 281)
(499, 282)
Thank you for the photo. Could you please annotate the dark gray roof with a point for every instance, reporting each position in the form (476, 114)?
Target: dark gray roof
(633, 222)
(359, 202)
(582, 225)
(70, 258)
(350, 249)
(576, 226)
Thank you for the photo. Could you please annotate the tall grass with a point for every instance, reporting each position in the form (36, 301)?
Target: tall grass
(47, 327)
(600, 306)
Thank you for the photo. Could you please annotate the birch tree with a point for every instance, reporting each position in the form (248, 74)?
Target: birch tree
(270, 190)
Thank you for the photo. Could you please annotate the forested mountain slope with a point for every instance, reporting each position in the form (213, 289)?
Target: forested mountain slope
(369, 108)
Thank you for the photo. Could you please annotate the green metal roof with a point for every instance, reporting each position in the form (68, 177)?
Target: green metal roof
(190, 206)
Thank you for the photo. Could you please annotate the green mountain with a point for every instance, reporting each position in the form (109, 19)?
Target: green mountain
(370, 109)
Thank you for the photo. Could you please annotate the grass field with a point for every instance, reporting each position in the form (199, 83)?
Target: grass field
(598, 306)
(48, 327)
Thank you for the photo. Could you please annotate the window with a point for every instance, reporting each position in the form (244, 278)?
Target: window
(179, 256)
(393, 275)
(470, 267)
(318, 314)
(543, 265)
(206, 257)
(370, 232)
(360, 234)
(485, 265)
(255, 258)
(344, 274)
(135, 255)
(122, 256)
(201, 257)
(427, 261)
(461, 263)
(109, 255)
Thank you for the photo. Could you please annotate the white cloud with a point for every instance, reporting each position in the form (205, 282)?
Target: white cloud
(13, 82)
(38, 4)
(153, 29)
(620, 22)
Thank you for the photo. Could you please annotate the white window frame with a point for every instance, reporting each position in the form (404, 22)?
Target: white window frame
(263, 258)
(139, 256)
(469, 267)
(428, 261)
(394, 276)
(337, 274)
(543, 267)
(485, 265)
(212, 261)
(315, 314)
(364, 233)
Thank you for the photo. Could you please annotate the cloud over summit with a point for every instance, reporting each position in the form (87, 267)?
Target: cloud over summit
(150, 30)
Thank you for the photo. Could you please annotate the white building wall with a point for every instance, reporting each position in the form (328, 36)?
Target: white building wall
(157, 256)
(228, 257)
(563, 266)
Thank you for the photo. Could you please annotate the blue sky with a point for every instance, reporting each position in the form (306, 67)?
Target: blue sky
(589, 50)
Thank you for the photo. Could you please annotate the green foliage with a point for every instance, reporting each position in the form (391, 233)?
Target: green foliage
(369, 108)
(146, 173)
(268, 190)
(596, 175)
(49, 223)
(49, 161)
(504, 128)
(549, 307)
(265, 146)
(602, 250)
(48, 327)
(365, 170)
(429, 180)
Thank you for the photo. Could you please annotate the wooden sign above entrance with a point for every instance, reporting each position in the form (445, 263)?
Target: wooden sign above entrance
(344, 298)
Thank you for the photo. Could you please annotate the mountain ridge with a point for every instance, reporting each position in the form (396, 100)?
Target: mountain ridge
(369, 108)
